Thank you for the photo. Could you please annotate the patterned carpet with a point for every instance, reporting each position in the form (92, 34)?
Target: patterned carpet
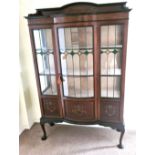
(75, 140)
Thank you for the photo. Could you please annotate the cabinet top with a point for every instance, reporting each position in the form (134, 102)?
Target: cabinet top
(80, 8)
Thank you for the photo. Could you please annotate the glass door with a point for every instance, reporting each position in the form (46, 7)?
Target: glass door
(45, 61)
(76, 53)
(110, 64)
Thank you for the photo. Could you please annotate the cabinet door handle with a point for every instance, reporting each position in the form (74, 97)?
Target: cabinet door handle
(60, 79)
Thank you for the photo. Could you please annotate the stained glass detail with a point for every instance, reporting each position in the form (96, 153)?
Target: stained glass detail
(115, 51)
(72, 53)
(76, 53)
(86, 52)
(111, 52)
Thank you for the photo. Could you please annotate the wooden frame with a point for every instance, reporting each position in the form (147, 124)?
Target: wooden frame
(79, 15)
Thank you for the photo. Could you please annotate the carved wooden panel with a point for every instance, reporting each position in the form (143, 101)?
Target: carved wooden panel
(80, 111)
(109, 111)
(51, 108)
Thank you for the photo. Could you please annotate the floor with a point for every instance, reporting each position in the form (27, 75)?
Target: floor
(75, 140)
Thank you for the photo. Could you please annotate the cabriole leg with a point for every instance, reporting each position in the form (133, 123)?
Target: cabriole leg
(44, 137)
(120, 139)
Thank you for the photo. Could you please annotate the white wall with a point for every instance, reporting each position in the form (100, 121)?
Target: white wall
(28, 92)
(137, 71)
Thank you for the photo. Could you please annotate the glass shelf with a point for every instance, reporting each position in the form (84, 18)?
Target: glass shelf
(49, 91)
(45, 51)
(111, 93)
(84, 94)
(85, 72)
(78, 86)
(112, 47)
(117, 71)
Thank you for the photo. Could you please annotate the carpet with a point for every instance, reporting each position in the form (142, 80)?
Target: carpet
(75, 140)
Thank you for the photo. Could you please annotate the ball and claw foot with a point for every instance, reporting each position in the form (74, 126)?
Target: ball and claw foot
(120, 146)
(44, 137)
(51, 124)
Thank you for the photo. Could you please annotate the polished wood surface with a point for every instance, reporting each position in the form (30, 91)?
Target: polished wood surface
(88, 110)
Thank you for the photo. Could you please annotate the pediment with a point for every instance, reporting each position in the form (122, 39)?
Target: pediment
(81, 8)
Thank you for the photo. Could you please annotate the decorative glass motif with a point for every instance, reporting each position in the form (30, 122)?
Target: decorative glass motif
(111, 51)
(45, 61)
(76, 53)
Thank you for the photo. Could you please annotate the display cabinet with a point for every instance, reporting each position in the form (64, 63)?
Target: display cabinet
(79, 53)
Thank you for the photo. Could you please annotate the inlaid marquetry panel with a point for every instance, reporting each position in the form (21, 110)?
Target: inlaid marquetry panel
(80, 111)
(109, 111)
(51, 107)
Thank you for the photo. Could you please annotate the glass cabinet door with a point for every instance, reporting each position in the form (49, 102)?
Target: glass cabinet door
(45, 61)
(76, 54)
(110, 64)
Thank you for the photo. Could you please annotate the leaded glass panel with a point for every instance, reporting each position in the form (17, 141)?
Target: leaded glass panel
(111, 52)
(45, 61)
(76, 54)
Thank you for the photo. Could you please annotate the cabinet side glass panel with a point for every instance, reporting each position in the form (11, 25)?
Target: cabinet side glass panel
(45, 61)
(76, 54)
(110, 56)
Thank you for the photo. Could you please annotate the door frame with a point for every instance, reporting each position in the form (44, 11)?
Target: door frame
(95, 65)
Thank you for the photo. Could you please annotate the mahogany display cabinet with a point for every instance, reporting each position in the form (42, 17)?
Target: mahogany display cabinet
(79, 53)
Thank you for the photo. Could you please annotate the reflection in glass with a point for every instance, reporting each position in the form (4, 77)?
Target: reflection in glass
(111, 36)
(117, 86)
(104, 36)
(91, 86)
(43, 82)
(104, 81)
(110, 86)
(76, 64)
(84, 87)
(45, 61)
(118, 63)
(53, 85)
(83, 64)
(70, 66)
(76, 52)
(90, 64)
(89, 40)
(40, 64)
(51, 63)
(48, 85)
(71, 86)
(110, 63)
(75, 45)
(43, 39)
(104, 64)
(78, 86)
(111, 51)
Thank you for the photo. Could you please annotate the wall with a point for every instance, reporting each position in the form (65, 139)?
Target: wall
(29, 111)
(29, 104)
